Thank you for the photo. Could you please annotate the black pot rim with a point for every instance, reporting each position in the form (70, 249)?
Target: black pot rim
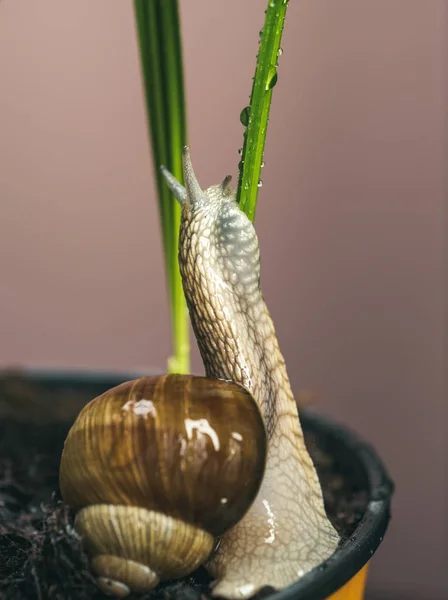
(353, 553)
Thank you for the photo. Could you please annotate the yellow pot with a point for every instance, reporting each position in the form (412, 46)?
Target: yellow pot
(353, 589)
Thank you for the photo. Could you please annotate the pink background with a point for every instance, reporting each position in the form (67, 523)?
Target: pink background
(350, 215)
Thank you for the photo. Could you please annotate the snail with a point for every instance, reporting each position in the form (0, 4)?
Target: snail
(286, 532)
(281, 530)
(158, 468)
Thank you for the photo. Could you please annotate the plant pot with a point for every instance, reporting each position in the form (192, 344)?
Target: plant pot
(43, 404)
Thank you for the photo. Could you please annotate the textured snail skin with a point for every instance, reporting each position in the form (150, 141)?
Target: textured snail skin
(156, 469)
(286, 531)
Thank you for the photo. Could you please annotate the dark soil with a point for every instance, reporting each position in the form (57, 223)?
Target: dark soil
(40, 554)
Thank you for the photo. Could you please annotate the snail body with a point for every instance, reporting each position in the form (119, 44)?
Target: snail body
(157, 469)
(286, 531)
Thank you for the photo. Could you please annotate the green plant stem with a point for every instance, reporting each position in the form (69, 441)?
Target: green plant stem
(260, 103)
(158, 32)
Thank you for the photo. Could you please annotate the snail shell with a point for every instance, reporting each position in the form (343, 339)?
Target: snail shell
(157, 468)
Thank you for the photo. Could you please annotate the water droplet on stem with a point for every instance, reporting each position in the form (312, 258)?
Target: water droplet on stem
(272, 78)
(244, 116)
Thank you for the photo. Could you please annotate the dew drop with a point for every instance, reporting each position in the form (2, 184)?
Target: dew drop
(240, 164)
(240, 151)
(244, 116)
(260, 183)
(262, 163)
(280, 52)
(272, 78)
(260, 33)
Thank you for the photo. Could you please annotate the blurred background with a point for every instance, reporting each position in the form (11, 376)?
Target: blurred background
(350, 216)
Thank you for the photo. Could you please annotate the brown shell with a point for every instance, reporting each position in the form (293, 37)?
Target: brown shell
(189, 447)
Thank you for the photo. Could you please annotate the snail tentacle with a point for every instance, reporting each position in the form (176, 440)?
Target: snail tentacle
(195, 194)
(178, 190)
